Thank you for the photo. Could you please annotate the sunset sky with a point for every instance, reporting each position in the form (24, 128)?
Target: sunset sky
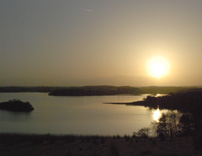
(99, 42)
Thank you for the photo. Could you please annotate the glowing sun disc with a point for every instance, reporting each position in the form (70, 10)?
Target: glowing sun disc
(158, 67)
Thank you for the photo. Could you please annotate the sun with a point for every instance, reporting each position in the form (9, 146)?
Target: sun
(158, 67)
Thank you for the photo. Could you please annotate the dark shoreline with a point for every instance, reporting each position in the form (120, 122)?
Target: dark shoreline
(95, 90)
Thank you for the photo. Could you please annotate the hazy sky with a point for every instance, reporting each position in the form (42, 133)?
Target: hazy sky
(97, 42)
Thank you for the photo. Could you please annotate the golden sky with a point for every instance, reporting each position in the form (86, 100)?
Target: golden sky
(99, 42)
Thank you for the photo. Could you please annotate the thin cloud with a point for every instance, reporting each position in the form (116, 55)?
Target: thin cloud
(88, 10)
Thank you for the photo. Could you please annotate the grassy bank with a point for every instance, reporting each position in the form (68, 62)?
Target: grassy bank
(72, 145)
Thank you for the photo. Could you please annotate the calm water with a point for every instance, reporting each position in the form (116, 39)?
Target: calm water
(75, 115)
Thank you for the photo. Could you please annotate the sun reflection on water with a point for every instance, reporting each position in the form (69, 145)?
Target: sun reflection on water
(157, 115)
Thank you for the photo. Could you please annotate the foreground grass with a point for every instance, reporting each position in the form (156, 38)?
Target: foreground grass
(75, 145)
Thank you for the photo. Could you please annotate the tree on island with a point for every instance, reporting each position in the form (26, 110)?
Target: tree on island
(16, 105)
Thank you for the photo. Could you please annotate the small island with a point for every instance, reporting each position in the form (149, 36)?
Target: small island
(16, 106)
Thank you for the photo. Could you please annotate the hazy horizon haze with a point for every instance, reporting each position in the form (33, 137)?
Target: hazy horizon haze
(99, 42)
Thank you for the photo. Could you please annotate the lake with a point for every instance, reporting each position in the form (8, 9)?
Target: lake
(86, 115)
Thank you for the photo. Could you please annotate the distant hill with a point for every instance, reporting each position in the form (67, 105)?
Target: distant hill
(113, 90)
(95, 90)
(27, 89)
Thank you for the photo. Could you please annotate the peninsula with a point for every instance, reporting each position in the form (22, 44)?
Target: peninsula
(184, 101)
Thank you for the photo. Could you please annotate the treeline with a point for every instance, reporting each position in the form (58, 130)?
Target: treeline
(16, 106)
(113, 90)
(186, 122)
(163, 89)
(95, 90)
(28, 89)
(184, 101)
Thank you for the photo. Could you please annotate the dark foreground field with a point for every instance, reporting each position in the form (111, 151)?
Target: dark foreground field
(48, 145)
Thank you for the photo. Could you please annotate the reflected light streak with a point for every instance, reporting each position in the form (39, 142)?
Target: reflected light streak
(157, 115)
